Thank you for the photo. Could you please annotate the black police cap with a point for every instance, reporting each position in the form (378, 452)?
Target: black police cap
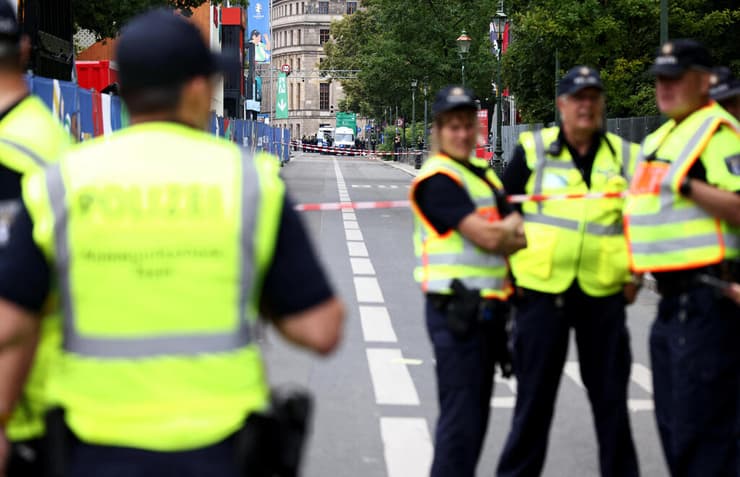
(723, 84)
(675, 57)
(578, 78)
(160, 48)
(453, 98)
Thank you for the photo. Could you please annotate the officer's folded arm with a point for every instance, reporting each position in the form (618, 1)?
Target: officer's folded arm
(19, 332)
(502, 237)
(317, 328)
(721, 204)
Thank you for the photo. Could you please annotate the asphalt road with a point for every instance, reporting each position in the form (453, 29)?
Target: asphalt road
(375, 398)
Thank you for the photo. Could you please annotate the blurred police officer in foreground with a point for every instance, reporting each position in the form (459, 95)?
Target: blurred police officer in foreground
(682, 218)
(164, 243)
(725, 89)
(30, 137)
(573, 274)
(461, 241)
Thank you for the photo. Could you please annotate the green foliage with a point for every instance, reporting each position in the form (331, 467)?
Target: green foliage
(392, 42)
(105, 17)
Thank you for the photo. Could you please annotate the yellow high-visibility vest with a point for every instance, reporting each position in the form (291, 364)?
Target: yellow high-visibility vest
(576, 239)
(442, 258)
(30, 139)
(160, 236)
(665, 230)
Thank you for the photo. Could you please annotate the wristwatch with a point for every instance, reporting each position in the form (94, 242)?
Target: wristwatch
(685, 187)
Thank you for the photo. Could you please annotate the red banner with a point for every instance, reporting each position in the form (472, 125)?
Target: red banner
(483, 150)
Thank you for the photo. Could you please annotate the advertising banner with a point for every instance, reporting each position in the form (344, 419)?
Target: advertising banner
(258, 25)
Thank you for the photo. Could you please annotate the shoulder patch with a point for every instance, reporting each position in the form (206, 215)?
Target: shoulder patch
(733, 164)
(8, 212)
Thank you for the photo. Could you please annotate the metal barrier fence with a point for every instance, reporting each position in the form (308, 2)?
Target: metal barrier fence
(633, 129)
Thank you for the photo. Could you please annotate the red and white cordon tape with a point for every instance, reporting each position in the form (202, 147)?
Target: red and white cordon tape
(395, 204)
(383, 204)
(354, 151)
(521, 198)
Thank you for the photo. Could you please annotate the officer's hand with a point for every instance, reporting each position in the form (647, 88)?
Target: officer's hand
(630, 293)
(514, 238)
(632, 288)
(734, 292)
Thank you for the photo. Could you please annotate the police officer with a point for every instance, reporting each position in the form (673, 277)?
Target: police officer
(461, 241)
(573, 274)
(682, 218)
(30, 137)
(164, 244)
(725, 89)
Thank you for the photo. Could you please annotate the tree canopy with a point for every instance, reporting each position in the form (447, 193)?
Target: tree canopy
(105, 17)
(392, 42)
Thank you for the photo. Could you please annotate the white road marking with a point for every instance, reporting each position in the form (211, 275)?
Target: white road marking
(642, 376)
(506, 402)
(351, 224)
(357, 249)
(376, 324)
(509, 382)
(391, 381)
(407, 446)
(368, 290)
(572, 370)
(349, 216)
(354, 235)
(635, 405)
(362, 266)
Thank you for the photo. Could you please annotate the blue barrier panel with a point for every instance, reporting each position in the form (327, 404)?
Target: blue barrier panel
(87, 122)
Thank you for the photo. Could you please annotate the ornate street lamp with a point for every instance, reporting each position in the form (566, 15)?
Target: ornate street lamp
(463, 47)
(414, 83)
(499, 22)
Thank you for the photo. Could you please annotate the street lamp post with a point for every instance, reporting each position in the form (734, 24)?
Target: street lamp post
(499, 22)
(426, 91)
(463, 47)
(414, 83)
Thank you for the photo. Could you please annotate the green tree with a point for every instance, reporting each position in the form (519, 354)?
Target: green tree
(105, 17)
(392, 42)
(619, 37)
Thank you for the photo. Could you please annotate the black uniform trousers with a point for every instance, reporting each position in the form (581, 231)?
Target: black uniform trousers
(218, 460)
(695, 354)
(542, 324)
(464, 370)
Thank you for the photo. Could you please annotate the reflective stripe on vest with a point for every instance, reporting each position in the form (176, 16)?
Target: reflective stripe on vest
(37, 160)
(689, 244)
(140, 347)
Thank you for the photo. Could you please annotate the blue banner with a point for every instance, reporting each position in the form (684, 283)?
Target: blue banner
(258, 26)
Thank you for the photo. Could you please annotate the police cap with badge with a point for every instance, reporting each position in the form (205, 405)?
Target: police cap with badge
(453, 98)
(676, 57)
(579, 78)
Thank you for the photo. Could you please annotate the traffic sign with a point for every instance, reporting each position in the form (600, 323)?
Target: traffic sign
(281, 99)
(285, 68)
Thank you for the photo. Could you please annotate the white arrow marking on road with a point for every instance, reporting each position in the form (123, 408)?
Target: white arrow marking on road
(407, 446)
(642, 376)
(392, 382)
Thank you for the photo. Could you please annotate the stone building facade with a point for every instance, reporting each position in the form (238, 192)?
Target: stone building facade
(299, 30)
